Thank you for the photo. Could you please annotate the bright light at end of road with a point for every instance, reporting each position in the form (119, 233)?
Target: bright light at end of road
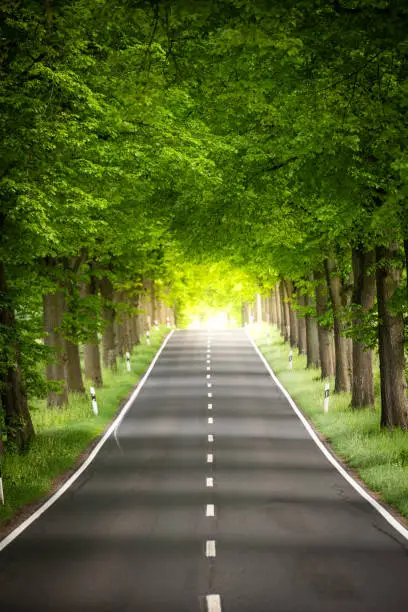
(217, 321)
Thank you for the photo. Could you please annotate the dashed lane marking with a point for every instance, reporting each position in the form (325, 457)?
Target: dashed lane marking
(210, 510)
(213, 603)
(210, 548)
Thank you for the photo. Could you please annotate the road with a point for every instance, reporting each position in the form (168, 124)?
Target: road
(214, 497)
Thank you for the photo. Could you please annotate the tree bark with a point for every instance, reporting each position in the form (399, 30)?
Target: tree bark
(343, 374)
(293, 337)
(285, 325)
(312, 337)
(73, 373)
(153, 303)
(301, 325)
(258, 308)
(278, 305)
(394, 404)
(272, 308)
(13, 399)
(136, 321)
(92, 357)
(108, 315)
(54, 308)
(363, 298)
(324, 335)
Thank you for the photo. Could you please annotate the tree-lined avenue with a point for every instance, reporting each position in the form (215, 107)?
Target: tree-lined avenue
(152, 525)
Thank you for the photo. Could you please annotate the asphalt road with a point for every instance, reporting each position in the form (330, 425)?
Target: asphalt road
(242, 514)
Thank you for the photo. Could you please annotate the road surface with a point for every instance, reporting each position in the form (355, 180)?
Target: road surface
(214, 497)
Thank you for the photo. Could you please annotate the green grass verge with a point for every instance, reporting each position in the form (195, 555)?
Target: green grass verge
(379, 457)
(62, 435)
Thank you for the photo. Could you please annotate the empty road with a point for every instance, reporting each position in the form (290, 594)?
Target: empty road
(212, 496)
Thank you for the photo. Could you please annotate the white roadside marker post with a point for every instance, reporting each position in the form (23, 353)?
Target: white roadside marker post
(127, 361)
(326, 396)
(168, 322)
(156, 325)
(148, 338)
(94, 403)
(1, 488)
(290, 364)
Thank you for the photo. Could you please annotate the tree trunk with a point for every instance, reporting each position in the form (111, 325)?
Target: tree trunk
(293, 339)
(272, 307)
(324, 335)
(13, 399)
(312, 337)
(73, 373)
(363, 298)
(108, 315)
(153, 303)
(92, 357)
(258, 308)
(136, 321)
(278, 306)
(343, 378)
(285, 325)
(301, 326)
(54, 308)
(394, 404)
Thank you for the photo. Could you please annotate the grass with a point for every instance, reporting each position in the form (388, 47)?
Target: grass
(380, 457)
(63, 435)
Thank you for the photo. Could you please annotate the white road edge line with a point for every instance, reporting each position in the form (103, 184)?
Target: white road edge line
(112, 429)
(210, 548)
(213, 603)
(380, 509)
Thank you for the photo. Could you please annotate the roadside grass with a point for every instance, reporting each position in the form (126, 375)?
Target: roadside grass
(63, 435)
(380, 457)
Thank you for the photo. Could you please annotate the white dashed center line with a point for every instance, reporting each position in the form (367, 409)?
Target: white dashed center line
(210, 438)
(210, 510)
(213, 603)
(210, 420)
(208, 368)
(210, 548)
(209, 482)
(210, 458)
(209, 394)
(209, 385)
(209, 406)
(208, 375)
(208, 360)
